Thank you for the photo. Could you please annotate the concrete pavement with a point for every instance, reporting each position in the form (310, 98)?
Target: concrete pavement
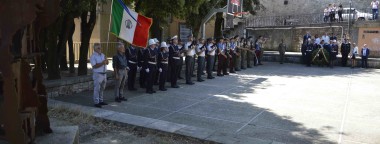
(272, 103)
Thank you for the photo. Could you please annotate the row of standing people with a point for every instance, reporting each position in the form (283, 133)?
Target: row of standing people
(160, 63)
(332, 47)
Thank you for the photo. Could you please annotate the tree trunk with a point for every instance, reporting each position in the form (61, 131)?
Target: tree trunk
(156, 31)
(71, 49)
(42, 44)
(218, 25)
(52, 61)
(86, 31)
(63, 36)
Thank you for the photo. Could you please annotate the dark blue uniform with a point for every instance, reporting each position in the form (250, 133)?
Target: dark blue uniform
(163, 61)
(175, 64)
(131, 54)
(140, 63)
(150, 61)
(333, 53)
(309, 51)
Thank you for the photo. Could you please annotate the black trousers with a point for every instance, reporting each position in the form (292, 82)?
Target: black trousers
(132, 75)
(179, 69)
(222, 64)
(163, 75)
(344, 59)
(364, 62)
(150, 76)
(201, 62)
(189, 68)
(210, 65)
(174, 69)
(142, 79)
(308, 58)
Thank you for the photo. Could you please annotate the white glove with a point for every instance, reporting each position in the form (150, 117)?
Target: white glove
(128, 68)
(138, 68)
(147, 70)
(160, 69)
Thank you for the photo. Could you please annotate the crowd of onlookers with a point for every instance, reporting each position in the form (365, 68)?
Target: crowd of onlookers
(332, 10)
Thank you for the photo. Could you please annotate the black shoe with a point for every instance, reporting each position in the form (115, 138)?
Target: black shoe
(232, 72)
(180, 77)
(149, 92)
(123, 99)
(190, 83)
(250, 67)
(175, 86)
(219, 75)
(98, 105)
(133, 89)
(163, 89)
(209, 78)
(226, 74)
(200, 80)
(153, 91)
(117, 100)
(193, 75)
(142, 86)
(237, 70)
(103, 103)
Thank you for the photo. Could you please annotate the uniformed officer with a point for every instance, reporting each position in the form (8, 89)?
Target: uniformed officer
(163, 59)
(222, 57)
(309, 52)
(238, 53)
(120, 66)
(131, 54)
(140, 65)
(99, 62)
(282, 50)
(345, 50)
(333, 53)
(250, 55)
(189, 60)
(200, 50)
(174, 61)
(211, 48)
(233, 53)
(181, 55)
(227, 47)
(243, 53)
(157, 49)
(150, 60)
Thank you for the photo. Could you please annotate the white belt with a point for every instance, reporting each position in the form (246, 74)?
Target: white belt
(165, 62)
(152, 63)
(176, 58)
(132, 62)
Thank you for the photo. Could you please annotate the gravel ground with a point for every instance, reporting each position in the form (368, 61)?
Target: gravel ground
(93, 131)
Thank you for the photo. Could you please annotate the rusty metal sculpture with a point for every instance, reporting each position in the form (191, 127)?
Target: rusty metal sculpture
(23, 101)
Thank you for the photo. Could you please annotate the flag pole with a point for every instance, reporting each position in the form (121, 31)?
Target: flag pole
(109, 29)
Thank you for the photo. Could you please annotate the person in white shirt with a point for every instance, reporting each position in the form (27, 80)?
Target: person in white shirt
(189, 60)
(326, 38)
(326, 14)
(99, 62)
(354, 54)
(210, 57)
(317, 39)
(201, 52)
(375, 9)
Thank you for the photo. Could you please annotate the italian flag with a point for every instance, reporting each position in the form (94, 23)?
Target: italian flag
(129, 25)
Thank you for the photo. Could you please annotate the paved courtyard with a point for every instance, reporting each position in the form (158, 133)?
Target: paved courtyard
(287, 103)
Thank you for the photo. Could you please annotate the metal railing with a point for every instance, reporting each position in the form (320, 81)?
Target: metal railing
(108, 52)
(304, 19)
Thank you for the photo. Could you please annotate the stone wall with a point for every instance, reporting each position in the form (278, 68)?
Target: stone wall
(277, 7)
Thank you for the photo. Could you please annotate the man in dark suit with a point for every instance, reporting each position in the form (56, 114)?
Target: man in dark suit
(365, 54)
(345, 50)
